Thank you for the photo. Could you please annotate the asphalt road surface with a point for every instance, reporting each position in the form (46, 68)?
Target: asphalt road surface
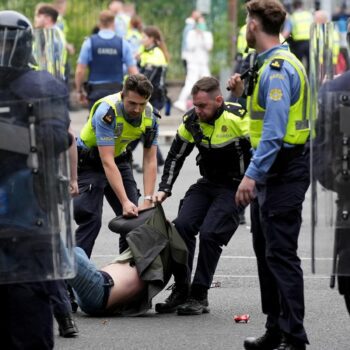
(326, 319)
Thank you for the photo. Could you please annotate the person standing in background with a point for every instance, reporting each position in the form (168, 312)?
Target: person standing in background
(190, 23)
(121, 19)
(153, 60)
(104, 54)
(199, 43)
(299, 25)
(134, 34)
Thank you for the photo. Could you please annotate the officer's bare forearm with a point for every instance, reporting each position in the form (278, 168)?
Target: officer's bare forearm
(149, 177)
(115, 180)
(149, 170)
(79, 77)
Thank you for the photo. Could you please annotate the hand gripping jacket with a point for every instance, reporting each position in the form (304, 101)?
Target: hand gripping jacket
(124, 132)
(224, 147)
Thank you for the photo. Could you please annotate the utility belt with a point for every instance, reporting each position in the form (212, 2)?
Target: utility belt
(115, 86)
(285, 155)
(89, 158)
(232, 178)
(108, 284)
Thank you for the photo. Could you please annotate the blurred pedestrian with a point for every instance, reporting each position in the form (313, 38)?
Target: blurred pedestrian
(199, 43)
(121, 19)
(134, 34)
(153, 60)
(190, 23)
(300, 22)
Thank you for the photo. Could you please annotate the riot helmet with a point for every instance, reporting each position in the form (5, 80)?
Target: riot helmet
(15, 39)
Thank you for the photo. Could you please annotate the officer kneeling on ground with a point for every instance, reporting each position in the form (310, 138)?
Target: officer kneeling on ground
(219, 130)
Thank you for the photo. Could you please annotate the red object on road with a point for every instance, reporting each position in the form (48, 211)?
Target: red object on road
(241, 318)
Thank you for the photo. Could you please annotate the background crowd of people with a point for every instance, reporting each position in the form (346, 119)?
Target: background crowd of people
(121, 78)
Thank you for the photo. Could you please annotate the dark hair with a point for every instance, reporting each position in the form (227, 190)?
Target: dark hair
(140, 84)
(155, 33)
(209, 85)
(136, 22)
(270, 13)
(48, 10)
(297, 4)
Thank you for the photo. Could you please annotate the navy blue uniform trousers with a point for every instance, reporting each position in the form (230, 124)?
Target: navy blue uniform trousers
(276, 220)
(93, 187)
(26, 321)
(209, 210)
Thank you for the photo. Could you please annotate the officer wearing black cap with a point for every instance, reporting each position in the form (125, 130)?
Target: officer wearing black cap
(34, 134)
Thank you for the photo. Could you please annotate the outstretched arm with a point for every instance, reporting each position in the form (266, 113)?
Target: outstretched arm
(115, 180)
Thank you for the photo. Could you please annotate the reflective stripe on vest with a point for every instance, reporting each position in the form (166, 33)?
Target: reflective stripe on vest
(297, 130)
(227, 128)
(124, 132)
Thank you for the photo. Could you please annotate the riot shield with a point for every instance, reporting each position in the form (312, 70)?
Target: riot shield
(49, 52)
(330, 151)
(36, 241)
(35, 211)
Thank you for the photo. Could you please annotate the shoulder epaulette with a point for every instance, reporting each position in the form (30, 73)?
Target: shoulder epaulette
(235, 109)
(277, 63)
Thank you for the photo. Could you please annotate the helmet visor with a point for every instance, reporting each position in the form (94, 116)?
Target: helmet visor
(15, 47)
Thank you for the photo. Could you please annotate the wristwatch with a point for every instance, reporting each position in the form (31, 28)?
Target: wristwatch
(148, 197)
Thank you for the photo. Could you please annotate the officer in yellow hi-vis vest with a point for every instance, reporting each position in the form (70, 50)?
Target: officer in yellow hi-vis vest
(219, 131)
(104, 165)
(278, 175)
(300, 22)
(53, 41)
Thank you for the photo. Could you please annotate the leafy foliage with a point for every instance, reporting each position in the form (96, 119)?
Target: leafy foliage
(168, 15)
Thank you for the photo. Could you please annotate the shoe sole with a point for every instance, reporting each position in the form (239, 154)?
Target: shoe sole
(205, 310)
(68, 333)
(168, 311)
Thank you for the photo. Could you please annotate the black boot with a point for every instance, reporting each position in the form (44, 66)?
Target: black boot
(288, 343)
(66, 326)
(177, 297)
(269, 341)
(197, 302)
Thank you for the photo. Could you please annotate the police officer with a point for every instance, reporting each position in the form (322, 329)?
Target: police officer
(277, 177)
(104, 54)
(45, 18)
(219, 130)
(331, 162)
(300, 21)
(32, 138)
(104, 164)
